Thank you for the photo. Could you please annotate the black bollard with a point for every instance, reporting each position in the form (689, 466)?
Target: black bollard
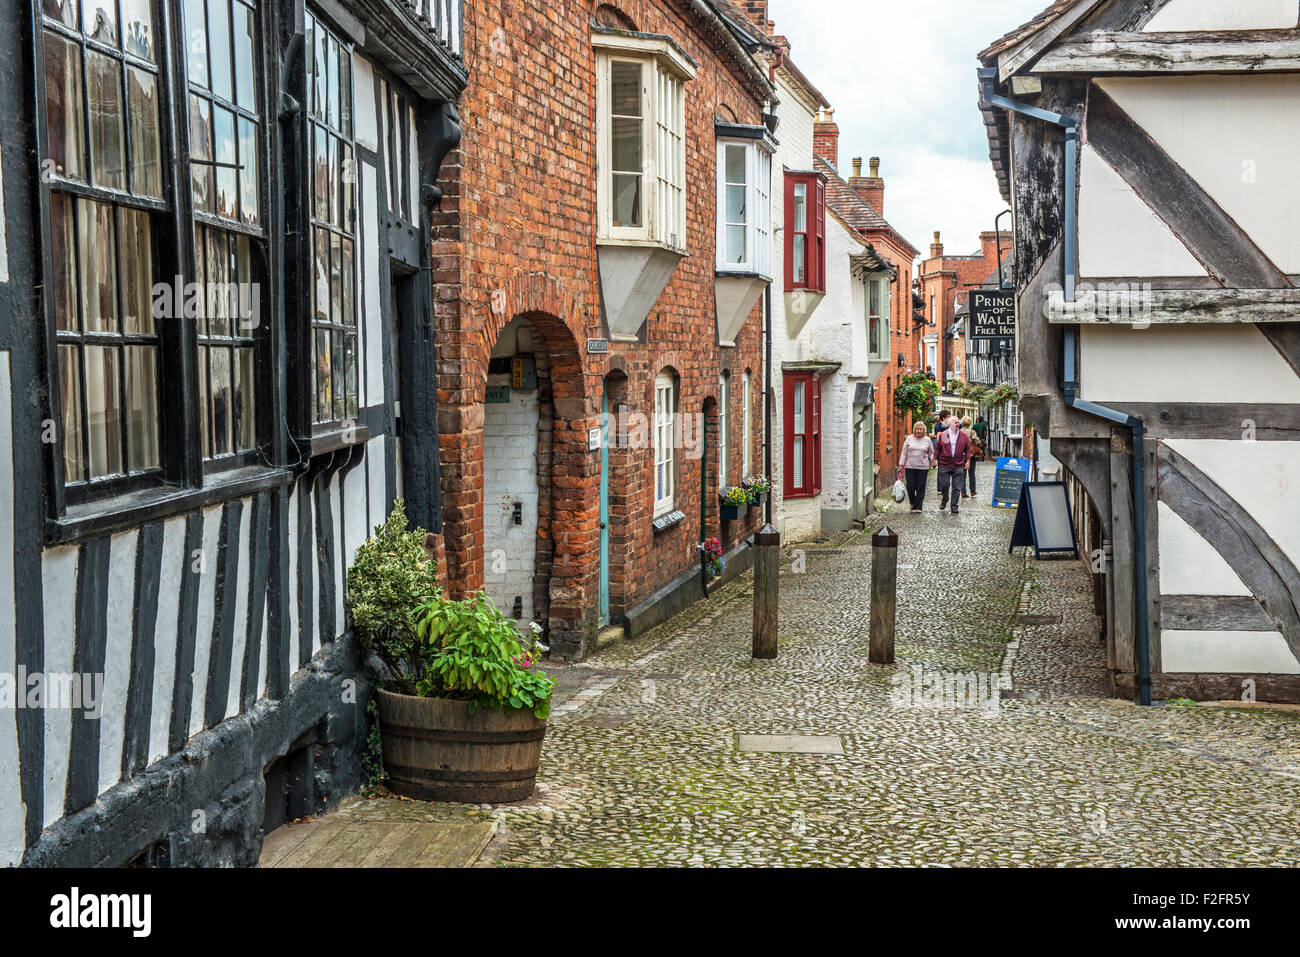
(884, 585)
(767, 573)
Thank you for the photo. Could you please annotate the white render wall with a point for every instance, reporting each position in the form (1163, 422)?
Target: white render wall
(1238, 137)
(801, 518)
(510, 476)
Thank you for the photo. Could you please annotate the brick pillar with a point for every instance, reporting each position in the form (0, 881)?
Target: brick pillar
(826, 138)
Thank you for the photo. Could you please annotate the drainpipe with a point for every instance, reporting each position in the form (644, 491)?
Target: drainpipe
(767, 402)
(988, 90)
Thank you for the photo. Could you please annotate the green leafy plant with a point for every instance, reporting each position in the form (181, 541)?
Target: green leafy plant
(473, 653)
(914, 394)
(372, 759)
(985, 396)
(734, 495)
(757, 484)
(391, 578)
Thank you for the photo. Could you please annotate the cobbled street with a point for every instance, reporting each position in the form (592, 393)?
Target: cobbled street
(641, 764)
(990, 741)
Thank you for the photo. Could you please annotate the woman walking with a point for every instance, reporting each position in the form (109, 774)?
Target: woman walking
(917, 457)
(976, 452)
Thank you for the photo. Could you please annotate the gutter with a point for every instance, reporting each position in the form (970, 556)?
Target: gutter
(1070, 386)
(743, 56)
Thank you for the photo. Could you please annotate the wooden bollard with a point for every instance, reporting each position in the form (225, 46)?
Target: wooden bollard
(767, 590)
(884, 585)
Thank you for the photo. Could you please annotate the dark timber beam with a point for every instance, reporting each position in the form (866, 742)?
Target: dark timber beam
(1244, 544)
(1215, 613)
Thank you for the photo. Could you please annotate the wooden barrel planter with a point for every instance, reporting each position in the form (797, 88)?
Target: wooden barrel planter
(435, 750)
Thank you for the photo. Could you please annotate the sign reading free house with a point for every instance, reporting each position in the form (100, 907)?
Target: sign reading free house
(992, 313)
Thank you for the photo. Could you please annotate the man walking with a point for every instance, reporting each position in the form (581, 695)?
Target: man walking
(953, 452)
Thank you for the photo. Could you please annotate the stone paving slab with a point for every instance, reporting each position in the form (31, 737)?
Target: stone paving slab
(385, 832)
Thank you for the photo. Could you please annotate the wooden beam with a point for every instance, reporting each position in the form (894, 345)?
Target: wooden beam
(1225, 421)
(1244, 544)
(1124, 303)
(1246, 51)
(1286, 340)
(1213, 237)
(1122, 16)
(1215, 613)
(1018, 56)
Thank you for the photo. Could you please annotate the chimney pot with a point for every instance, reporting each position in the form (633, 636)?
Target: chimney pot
(875, 167)
(857, 166)
(936, 237)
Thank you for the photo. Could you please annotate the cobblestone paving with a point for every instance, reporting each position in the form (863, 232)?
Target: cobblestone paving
(941, 765)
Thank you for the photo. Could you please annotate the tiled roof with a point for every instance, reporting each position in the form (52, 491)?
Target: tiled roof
(1026, 30)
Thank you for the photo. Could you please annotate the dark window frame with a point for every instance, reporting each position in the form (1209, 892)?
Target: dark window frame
(181, 477)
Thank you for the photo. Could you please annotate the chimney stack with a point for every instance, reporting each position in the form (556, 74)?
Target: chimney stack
(757, 10)
(870, 188)
(826, 138)
(936, 247)
(989, 245)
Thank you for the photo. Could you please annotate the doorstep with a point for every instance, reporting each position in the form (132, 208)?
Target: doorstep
(383, 832)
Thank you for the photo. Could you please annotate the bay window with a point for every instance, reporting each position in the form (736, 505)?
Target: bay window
(641, 139)
(744, 243)
(665, 442)
(805, 231)
(802, 400)
(122, 281)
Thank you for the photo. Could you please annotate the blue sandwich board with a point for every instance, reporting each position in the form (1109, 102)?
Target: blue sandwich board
(1010, 476)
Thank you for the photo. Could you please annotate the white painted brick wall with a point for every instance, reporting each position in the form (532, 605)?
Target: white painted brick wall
(509, 476)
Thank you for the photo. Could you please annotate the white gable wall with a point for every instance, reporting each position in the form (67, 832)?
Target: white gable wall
(1225, 15)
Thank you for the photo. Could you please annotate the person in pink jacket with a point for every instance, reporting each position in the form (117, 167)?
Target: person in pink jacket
(916, 458)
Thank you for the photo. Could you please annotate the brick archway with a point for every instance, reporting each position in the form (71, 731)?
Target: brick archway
(565, 597)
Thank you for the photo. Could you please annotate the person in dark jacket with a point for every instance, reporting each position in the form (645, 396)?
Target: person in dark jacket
(953, 451)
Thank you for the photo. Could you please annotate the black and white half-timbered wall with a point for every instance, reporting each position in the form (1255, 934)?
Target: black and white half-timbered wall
(1149, 150)
(215, 350)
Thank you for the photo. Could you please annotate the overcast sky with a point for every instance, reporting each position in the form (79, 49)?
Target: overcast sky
(901, 77)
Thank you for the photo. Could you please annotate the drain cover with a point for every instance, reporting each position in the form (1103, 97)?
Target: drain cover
(792, 743)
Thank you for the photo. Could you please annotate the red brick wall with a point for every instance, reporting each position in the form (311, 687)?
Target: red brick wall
(516, 235)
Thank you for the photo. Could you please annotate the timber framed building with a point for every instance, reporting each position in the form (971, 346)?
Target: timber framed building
(1148, 149)
(215, 292)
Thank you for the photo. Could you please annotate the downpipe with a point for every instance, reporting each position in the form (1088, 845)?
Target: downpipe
(1070, 128)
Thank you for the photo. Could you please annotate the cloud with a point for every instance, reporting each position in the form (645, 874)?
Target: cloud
(902, 80)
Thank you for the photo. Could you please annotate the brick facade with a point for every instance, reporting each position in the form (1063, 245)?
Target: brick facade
(516, 236)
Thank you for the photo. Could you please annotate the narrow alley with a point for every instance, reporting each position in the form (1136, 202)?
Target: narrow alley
(942, 763)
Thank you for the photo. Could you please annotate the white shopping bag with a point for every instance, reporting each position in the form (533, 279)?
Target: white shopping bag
(900, 490)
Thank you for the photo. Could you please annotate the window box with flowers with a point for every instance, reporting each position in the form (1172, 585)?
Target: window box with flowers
(757, 486)
(734, 503)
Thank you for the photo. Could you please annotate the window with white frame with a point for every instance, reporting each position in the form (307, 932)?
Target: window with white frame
(744, 206)
(665, 438)
(878, 319)
(724, 469)
(641, 139)
(747, 426)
